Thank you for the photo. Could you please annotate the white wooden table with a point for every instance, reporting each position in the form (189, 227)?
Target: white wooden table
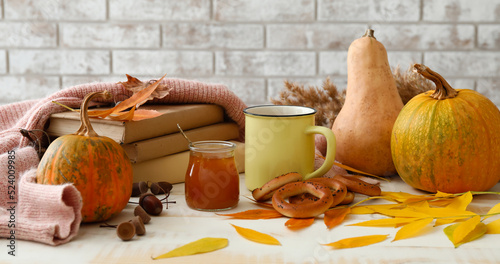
(179, 225)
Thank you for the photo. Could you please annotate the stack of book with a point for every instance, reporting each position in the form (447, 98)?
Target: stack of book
(155, 146)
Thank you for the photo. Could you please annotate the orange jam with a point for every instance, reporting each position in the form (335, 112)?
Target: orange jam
(212, 180)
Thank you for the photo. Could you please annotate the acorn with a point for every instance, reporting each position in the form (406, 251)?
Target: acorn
(160, 187)
(139, 226)
(125, 231)
(139, 188)
(139, 211)
(151, 204)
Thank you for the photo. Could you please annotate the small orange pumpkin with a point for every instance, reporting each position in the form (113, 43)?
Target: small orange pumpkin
(97, 166)
(447, 140)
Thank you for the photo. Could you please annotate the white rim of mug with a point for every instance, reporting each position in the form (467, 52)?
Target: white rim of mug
(212, 146)
(246, 111)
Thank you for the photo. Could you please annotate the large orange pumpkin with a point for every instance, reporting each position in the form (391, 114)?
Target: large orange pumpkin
(447, 140)
(97, 166)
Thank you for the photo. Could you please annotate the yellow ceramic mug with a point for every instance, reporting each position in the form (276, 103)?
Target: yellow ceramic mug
(280, 139)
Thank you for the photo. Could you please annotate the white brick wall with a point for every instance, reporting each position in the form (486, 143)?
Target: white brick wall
(249, 45)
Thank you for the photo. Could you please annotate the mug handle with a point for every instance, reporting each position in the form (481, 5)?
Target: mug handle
(331, 144)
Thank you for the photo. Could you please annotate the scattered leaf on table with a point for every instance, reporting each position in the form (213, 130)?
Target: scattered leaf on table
(494, 210)
(299, 223)
(345, 167)
(443, 212)
(386, 222)
(203, 245)
(413, 228)
(405, 212)
(493, 227)
(463, 229)
(255, 214)
(256, 236)
(370, 209)
(357, 241)
(461, 202)
(335, 216)
(478, 232)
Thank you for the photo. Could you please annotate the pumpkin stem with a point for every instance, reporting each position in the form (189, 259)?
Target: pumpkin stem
(369, 33)
(85, 126)
(443, 88)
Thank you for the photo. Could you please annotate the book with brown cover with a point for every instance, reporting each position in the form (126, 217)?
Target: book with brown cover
(187, 115)
(173, 143)
(172, 168)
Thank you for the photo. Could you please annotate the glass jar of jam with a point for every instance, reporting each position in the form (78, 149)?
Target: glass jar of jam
(212, 180)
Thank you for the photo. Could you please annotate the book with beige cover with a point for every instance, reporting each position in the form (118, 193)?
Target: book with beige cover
(187, 115)
(173, 143)
(172, 168)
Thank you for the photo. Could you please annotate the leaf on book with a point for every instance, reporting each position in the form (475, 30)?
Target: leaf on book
(203, 245)
(299, 223)
(357, 241)
(135, 85)
(141, 114)
(256, 236)
(124, 116)
(255, 214)
(335, 216)
(412, 229)
(493, 227)
(478, 231)
(137, 99)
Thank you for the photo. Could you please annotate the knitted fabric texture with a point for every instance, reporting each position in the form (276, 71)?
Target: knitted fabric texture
(51, 213)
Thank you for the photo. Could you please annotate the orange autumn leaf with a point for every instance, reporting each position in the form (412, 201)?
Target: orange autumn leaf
(135, 85)
(124, 116)
(136, 100)
(335, 217)
(256, 236)
(357, 241)
(255, 214)
(299, 223)
(145, 114)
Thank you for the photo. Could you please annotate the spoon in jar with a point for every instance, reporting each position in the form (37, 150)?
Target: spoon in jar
(184, 134)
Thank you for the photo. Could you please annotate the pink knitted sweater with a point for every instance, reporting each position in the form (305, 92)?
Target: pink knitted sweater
(51, 213)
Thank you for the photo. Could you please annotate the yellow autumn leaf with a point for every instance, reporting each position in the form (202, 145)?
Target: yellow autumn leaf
(443, 194)
(256, 236)
(461, 202)
(476, 233)
(360, 241)
(449, 220)
(443, 212)
(203, 245)
(370, 209)
(405, 212)
(493, 227)
(494, 210)
(463, 229)
(386, 222)
(412, 228)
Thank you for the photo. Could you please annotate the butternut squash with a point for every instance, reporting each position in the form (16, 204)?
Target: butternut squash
(372, 104)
